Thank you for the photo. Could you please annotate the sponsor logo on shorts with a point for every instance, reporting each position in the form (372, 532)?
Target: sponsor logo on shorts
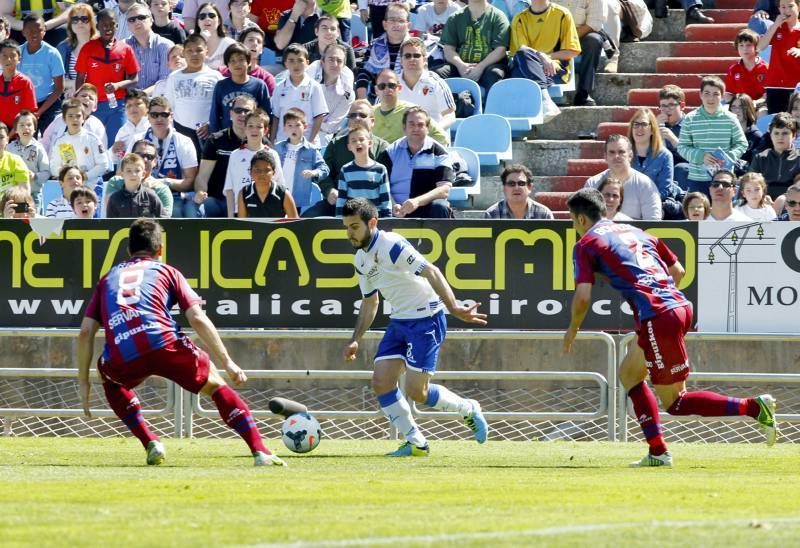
(678, 368)
(651, 336)
(410, 354)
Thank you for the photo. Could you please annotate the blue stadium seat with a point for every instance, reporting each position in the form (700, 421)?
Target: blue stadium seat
(358, 29)
(487, 134)
(49, 192)
(765, 55)
(462, 193)
(457, 85)
(763, 123)
(519, 101)
(268, 57)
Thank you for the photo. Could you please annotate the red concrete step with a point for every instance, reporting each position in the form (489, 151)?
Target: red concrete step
(685, 81)
(649, 97)
(604, 129)
(696, 65)
(730, 15)
(592, 149)
(563, 183)
(556, 201)
(713, 33)
(703, 49)
(734, 4)
(586, 168)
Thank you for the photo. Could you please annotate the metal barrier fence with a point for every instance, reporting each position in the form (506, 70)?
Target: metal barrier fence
(574, 404)
(520, 405)
(785, 386)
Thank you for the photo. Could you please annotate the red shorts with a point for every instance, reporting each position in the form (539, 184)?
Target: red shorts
(662, 339)
(181, 362)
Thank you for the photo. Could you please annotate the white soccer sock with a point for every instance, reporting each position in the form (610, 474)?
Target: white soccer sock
(396, 408)
(440, 397)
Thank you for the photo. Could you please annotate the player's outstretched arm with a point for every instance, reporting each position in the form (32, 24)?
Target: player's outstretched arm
(366, 315)
(580, 306)
(439, 283)
(208, 334)
(88, 330)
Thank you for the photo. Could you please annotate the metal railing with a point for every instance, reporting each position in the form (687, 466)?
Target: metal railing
(183, 405)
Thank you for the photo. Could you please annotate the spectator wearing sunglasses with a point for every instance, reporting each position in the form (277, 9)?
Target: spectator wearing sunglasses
(517, 203)
(792, 203)
(80, 29)
(424, 87)
(723, 190)
(151, 50)
(177, 158)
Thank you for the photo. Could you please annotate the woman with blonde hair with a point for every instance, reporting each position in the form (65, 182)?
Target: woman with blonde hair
(652, 158)
(81, 27)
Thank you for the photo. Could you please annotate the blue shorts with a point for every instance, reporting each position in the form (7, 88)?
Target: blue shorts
(416, 342)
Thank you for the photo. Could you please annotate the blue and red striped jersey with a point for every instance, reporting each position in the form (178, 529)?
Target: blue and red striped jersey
(132, 303)
(635, 263)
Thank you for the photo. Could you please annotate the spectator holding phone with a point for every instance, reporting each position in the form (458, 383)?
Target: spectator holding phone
(17, 203)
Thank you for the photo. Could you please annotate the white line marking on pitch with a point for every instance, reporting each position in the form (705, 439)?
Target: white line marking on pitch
(546, 532)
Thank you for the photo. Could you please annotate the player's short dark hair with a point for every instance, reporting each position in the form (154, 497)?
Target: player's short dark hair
(137, 94)
(783, 120)
(144, 235)
(251, 30)
(263, 156)
(82, 192)
(233, 49)
(32, 18)
(296, 49)
(589, 202)
(516, 168)
(361, 207)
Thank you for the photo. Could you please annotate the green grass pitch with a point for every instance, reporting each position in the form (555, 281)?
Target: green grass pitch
(99, 493)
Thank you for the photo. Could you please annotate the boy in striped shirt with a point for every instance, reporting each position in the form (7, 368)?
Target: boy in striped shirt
(363, 177)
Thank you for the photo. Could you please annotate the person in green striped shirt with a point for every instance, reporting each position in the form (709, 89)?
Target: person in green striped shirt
(706, 130)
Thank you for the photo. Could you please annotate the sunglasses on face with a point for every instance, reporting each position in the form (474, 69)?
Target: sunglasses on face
(722, 184)
(207, 15)
(353, 115)
(385, 85)
(512, 184)
(412, 55)
(792, 203)
(164, 115)
(241, 110)
(147, 156)
(79, 19)
(133, 18)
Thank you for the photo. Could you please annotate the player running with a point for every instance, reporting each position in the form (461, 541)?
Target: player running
(132, 303)
(418, 293)
(646, 272)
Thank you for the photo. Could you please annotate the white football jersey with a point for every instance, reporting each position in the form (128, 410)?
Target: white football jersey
(392, 266)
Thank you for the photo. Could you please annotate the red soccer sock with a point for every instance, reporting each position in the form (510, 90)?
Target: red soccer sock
(126, 406)
(237, 415)
(711, 404)
(646, 408)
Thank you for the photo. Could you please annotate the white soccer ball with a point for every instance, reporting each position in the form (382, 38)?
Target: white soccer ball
(301, 433)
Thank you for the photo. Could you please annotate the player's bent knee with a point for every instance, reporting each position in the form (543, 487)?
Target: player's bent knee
(214, 383)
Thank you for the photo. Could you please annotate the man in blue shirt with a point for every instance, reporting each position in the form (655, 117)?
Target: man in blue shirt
(151, 50)
(42, 63)
(237, 59)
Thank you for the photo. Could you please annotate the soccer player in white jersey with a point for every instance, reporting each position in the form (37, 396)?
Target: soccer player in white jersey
(418, 293)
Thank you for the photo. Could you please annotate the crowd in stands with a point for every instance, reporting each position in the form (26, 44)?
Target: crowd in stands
(235, 108)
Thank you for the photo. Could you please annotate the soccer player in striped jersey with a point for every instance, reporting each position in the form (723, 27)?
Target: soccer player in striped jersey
(646, 272)
(418, 293)
(132, 303)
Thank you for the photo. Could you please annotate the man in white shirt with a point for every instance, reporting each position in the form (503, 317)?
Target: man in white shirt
(422, 86)
(386, 263)
(723, 189)
(337, 83)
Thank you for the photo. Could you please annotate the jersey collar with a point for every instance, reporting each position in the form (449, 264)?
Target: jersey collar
(374, 239)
